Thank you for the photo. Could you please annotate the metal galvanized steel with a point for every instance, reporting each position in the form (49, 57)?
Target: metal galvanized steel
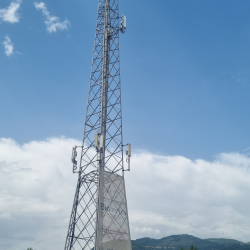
(99, 217)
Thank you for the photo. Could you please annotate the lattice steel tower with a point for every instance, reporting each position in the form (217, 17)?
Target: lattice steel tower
(99, 217)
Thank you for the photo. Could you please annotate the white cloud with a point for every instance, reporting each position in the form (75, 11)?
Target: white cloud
(53, 23)
(8, 46)
(10, 13)
(166, 195)
(176, 195)
(5, 216)
(36, 193)
(146, 230)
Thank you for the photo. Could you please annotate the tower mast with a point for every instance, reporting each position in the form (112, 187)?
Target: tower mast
(99, 217)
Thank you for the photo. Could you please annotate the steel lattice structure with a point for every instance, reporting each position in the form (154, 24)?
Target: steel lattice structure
(100, 187)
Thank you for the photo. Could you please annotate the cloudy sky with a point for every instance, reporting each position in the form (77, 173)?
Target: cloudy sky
(186, 98)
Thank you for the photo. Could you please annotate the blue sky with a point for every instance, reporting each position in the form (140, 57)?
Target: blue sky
(184, 67)
(185, 70)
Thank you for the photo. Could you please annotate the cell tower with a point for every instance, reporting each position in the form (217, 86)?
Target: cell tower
(99, 217)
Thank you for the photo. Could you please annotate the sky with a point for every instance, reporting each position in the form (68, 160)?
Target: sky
(185, 70)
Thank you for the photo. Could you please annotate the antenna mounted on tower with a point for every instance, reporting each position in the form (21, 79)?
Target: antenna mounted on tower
(123, 24)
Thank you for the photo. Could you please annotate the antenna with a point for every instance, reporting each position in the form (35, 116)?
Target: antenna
(96, 140)
(73, 158)
(129, 150)
(123, 24)
(128, 154)
(101, 141)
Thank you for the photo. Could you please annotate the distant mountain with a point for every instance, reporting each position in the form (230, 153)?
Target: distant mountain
(226, 242)
(174, 242)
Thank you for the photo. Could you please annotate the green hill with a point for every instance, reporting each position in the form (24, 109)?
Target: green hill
(226, 242)
(239, 247)
(176, 241)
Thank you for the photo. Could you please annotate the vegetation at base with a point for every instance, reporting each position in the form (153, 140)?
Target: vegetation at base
(175, 242)
(30, 248)
(240, 247)
(191, 248)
